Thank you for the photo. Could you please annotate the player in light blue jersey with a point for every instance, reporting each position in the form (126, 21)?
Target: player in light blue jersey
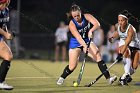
(81, 31)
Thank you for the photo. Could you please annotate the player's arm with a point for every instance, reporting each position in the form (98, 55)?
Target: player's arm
(130, 34)
(5, 34)
(4, 27)
(2, 32)
(102, 35)
(115, 35)
(75, 33)
(93, 21)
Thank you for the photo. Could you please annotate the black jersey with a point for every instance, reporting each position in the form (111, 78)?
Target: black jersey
(4, 17)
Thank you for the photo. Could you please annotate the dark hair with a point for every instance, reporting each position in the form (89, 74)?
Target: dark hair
(74, 7)
(126, 13)
(129, 15)
(5, 1)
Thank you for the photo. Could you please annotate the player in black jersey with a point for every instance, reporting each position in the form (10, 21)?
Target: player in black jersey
(5, 52)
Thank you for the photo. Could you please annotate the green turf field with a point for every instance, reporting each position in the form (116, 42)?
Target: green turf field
(35, 76)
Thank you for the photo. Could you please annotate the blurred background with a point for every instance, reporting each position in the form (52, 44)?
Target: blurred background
(35, 22)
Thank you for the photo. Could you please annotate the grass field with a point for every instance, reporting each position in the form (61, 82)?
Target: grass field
(40, 76)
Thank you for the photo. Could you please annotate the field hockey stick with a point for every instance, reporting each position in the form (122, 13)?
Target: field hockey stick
(93, 82)
(83, 63)
(11, 32)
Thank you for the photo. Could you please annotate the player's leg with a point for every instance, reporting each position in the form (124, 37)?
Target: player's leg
(127, 66)
(64, 53)
(130, 67)
(95, 54)
(57, 48)
(73, 61)
(139, 56)
(7, 56)
(135, 61)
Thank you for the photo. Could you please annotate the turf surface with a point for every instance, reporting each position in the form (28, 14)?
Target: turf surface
(40, 76)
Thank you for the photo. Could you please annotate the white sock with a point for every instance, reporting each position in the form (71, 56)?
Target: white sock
(127, 65)
(124, 75)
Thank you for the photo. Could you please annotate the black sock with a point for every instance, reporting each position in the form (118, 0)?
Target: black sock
(102, 66)
(66, 72)
(5, 65)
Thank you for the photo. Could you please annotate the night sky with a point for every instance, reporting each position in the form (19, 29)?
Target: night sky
(41, 17)
(50, 12)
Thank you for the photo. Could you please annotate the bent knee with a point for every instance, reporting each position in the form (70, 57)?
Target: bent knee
(72, 67)
(98, 56)
(9, 57)
(135, 65)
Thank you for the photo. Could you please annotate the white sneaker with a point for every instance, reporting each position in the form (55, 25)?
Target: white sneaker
(60, 81)
(112, 79)
(5, 86)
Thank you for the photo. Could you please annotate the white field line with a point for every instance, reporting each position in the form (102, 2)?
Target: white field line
(42, 77)
(73, 77)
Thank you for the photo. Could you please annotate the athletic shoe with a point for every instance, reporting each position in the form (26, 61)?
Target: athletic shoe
(4, 86)
(60, 81)
(112, 79)
(123, 82)
(128, 78)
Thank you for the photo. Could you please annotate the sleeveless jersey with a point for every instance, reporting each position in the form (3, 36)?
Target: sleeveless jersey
(84, 28)
(123, 36)
(83, 31)
(4, 18)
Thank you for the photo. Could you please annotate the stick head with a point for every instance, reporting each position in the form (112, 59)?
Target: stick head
(88, 85)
